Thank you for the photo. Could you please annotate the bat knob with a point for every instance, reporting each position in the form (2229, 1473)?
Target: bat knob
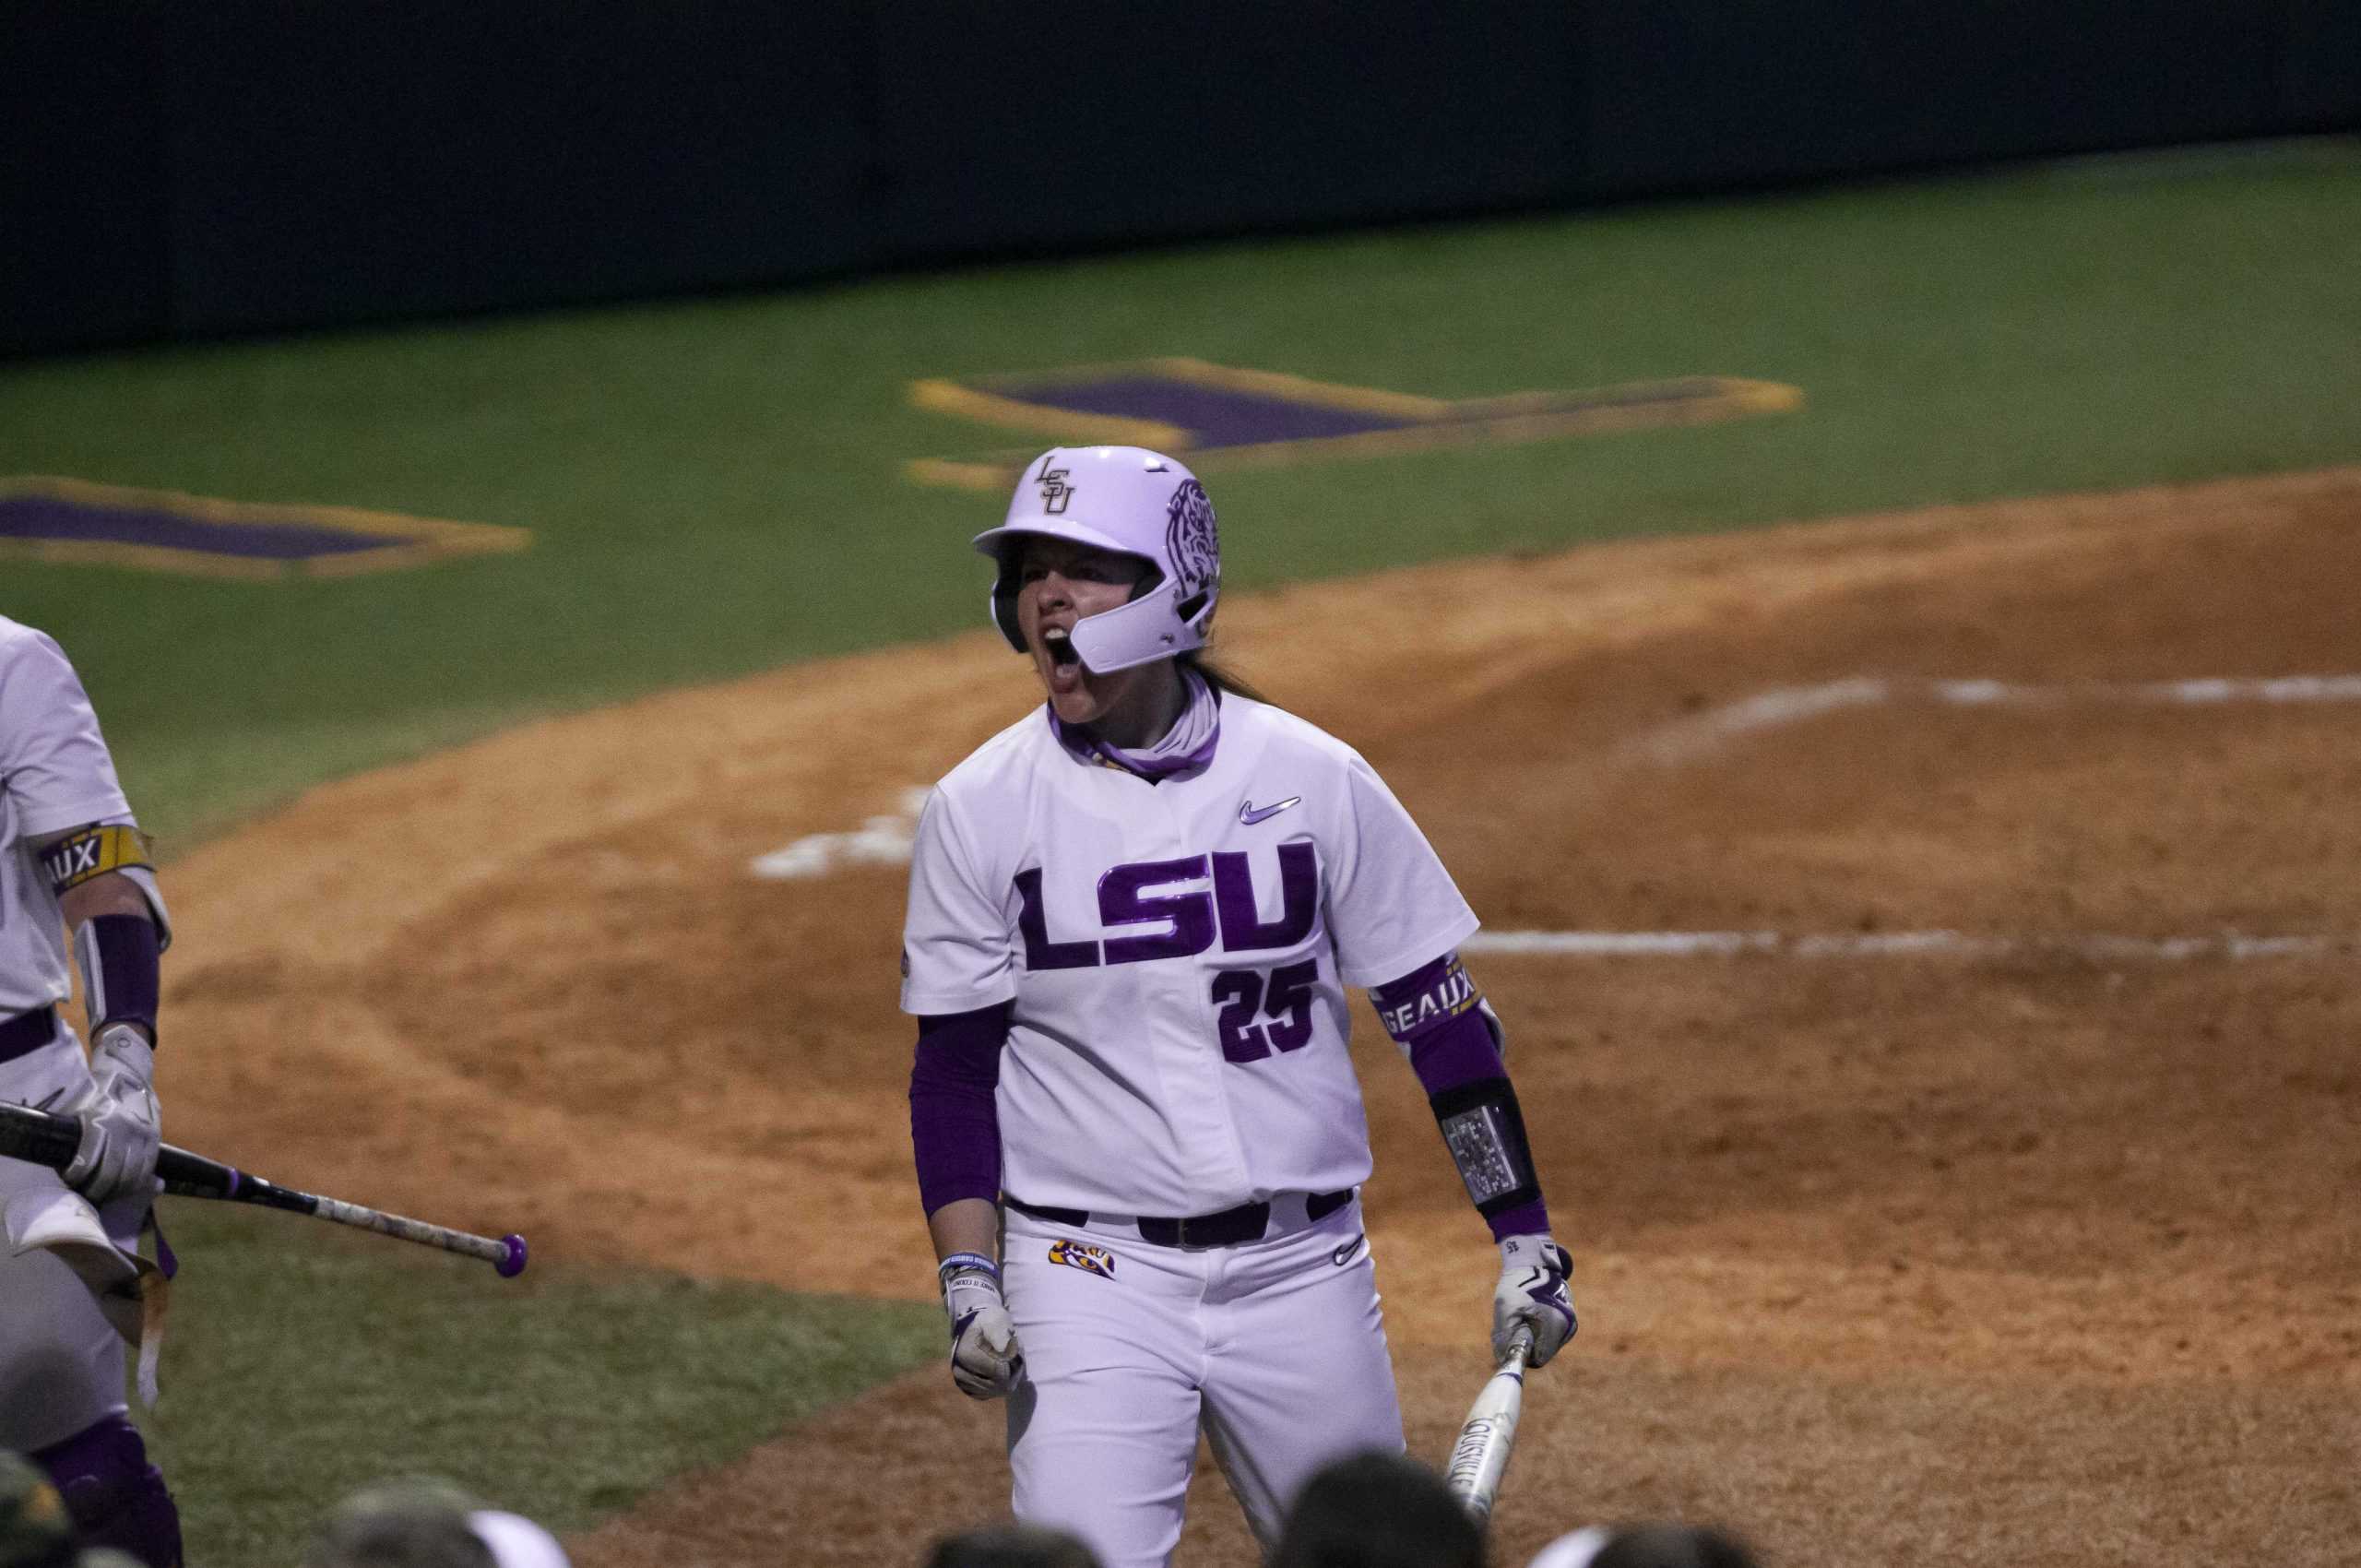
(512, 1257)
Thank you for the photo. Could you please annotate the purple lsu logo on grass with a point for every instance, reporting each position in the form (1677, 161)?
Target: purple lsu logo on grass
(1218, 417)
(1090, 1260)
(1178, 924)
(73, 522)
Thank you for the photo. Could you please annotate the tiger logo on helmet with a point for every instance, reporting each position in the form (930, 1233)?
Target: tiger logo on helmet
(1192, 544)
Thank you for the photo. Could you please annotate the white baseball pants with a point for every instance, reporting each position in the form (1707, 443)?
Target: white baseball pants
(61, 1363)
(1274, 1350)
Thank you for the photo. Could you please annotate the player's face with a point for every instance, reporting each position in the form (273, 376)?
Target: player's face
(1058, 583)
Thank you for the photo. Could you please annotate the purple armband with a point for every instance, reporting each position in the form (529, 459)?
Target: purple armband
(955, 1119)
(1440, 1018)
(1437, 1018)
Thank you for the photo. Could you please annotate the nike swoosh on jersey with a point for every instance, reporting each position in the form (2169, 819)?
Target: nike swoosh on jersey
(1248, 813)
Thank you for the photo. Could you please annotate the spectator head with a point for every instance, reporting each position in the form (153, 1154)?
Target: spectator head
(429, 1523)
(1010, 1546)
(1378, 1510)
(1653, 1545)
(35, 1531)
(409, 1524)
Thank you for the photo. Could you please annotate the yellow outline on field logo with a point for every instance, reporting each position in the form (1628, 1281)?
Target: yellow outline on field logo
(1226, 416)
(76, 523)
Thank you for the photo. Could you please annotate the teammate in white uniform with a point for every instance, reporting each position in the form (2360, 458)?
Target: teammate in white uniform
(72, 858)
(1131, 920)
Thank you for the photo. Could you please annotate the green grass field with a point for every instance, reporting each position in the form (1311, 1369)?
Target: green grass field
(714, 488)
(304, 1366)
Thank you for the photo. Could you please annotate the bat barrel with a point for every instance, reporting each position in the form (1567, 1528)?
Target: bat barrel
(1479, 1460)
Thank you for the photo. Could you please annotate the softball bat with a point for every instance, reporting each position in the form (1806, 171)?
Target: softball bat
(1480, 1458)
(45, 1139)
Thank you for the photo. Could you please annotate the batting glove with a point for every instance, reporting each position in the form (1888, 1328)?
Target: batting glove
(985, 1359)
(1534, 1271)
(121, 1120)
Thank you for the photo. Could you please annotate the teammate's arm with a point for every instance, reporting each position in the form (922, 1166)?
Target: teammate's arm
(105, 889)
(1455, 1042)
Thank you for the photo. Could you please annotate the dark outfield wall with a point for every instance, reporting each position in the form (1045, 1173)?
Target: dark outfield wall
(185, 170)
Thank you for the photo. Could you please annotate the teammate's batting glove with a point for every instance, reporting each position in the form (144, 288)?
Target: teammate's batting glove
(1534, 1270)
(985, 1359)
(120, 1121)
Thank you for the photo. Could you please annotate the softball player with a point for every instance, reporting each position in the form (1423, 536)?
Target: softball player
(1131, 920)
(72, 858)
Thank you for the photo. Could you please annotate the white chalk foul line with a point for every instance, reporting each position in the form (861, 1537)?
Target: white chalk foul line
(1792, 705)
(1898, 944)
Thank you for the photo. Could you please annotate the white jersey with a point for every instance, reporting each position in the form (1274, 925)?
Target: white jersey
(1178, 954)
(54, 774)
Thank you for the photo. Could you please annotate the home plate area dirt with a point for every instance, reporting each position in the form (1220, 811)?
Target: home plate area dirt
(1962, 1170)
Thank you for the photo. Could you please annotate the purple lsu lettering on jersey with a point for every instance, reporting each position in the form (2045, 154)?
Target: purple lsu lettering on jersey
(1188, 920)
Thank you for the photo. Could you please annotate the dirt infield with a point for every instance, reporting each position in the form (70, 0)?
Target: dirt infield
(2036, 1254)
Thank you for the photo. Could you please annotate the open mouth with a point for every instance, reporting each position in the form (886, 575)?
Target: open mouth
(1061, 648)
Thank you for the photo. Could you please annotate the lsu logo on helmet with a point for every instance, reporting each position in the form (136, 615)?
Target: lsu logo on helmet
(1090, 1260)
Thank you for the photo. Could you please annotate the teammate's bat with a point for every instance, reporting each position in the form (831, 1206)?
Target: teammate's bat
(44, 1139)
(1480, 1457)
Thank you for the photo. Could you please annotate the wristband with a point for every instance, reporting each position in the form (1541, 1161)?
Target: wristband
(967, 1263)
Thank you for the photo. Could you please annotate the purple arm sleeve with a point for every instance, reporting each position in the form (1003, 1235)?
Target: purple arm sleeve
(1436, 1014)
(954, 1122)
(120, 980)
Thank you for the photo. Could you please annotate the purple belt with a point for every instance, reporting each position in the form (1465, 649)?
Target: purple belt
(27, 1033)
(1227, 1228)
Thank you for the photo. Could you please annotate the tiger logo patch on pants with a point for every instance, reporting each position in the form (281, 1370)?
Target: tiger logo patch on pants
(1090, 1260)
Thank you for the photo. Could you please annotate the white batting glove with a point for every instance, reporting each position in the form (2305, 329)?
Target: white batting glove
(122, 1123)
(986, 1360)
(1534, 1271)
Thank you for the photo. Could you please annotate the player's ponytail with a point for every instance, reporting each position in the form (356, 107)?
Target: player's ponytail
(1219, 676)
